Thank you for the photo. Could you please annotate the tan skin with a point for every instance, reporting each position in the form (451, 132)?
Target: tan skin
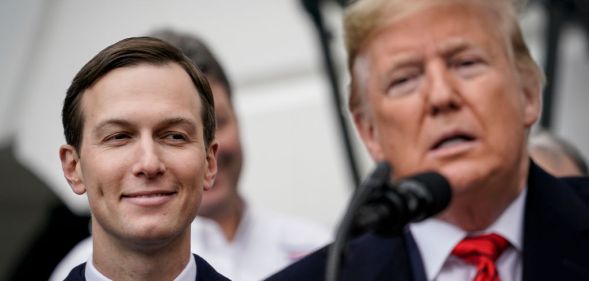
(222, 203)
(144, 165)
(441, 92)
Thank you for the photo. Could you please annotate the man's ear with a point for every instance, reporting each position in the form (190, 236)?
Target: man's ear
(211, 166)
(531, 88)
(70, 164)
(367, 132)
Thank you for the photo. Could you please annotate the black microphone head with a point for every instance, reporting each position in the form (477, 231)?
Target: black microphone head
(386, 207)
(432, 191)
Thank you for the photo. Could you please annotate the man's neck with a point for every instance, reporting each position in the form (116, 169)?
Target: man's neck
(478, 209)
(162, 260)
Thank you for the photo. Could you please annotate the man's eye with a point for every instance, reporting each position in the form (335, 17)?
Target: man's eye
(403, 85)
(401, 81)
(175, 137)
(468, 67)
(467, 63)
(117, 138)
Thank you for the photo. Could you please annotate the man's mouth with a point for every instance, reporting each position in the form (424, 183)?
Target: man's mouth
(452, 140)
(149, 198)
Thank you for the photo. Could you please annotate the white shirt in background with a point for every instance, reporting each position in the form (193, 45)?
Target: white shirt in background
(265, 242)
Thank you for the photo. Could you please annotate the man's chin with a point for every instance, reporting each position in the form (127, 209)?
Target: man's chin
(464, 177)
(152, 239)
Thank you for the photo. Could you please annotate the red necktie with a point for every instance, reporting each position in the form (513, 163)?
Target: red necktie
(482, 251)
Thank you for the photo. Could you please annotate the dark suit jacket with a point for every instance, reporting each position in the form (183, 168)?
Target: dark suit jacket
(205, 272)
(555, 245)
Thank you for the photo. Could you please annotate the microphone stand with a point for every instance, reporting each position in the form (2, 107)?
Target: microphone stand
(378, 179)
(324, 36)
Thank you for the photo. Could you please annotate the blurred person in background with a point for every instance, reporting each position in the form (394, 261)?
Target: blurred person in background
(556, 155)
(243, 242)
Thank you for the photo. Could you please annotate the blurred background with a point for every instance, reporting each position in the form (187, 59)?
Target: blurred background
(296, 159)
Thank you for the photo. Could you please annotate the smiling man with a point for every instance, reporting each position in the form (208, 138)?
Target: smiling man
(139, 124)
(242, 241)
(450, 86)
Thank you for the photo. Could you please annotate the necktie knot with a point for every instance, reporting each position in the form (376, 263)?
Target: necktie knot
(482, 251)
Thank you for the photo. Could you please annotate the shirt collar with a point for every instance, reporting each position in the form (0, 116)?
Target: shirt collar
(188, 274)
(435, 248)
(91, 273)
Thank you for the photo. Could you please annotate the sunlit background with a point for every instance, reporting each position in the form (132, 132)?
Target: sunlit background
(296, 162)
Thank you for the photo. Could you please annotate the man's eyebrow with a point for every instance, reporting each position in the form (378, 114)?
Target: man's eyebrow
(455, 46)
(111, 122)
(404, 60)
(401, 61)
(188, 124)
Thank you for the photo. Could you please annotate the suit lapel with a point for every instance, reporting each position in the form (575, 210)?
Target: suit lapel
(556, 230)
(375, 258)
(205, 272)
(417, 267)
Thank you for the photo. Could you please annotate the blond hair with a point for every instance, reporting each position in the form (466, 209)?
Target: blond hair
(364, 17)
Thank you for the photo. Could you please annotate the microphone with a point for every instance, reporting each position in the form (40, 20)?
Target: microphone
(391, 206)
(385, 207)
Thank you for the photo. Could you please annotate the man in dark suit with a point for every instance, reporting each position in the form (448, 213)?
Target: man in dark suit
(450, 86)
(139, 123)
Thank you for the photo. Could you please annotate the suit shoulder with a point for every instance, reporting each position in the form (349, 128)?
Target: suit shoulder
(580, 185)
(309, 268)
(369, 257)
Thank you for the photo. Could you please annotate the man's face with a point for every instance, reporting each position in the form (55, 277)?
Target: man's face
(143, 161)
(442, 93)
(229, 155)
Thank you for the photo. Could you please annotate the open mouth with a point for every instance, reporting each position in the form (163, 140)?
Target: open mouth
(453, 140)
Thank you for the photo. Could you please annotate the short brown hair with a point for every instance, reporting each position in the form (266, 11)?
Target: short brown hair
(364, 17)
(130, 52)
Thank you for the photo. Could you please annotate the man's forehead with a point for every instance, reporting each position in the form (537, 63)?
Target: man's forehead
(443, 32)
(414, 14)
(127, 92)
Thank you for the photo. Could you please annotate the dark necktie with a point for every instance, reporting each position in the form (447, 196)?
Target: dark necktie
(482, 252)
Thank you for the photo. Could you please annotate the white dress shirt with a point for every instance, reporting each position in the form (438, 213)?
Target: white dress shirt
(187, 274)
(436, 239)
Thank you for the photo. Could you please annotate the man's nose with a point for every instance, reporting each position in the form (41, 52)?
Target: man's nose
(149, 162)
(442, 94)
